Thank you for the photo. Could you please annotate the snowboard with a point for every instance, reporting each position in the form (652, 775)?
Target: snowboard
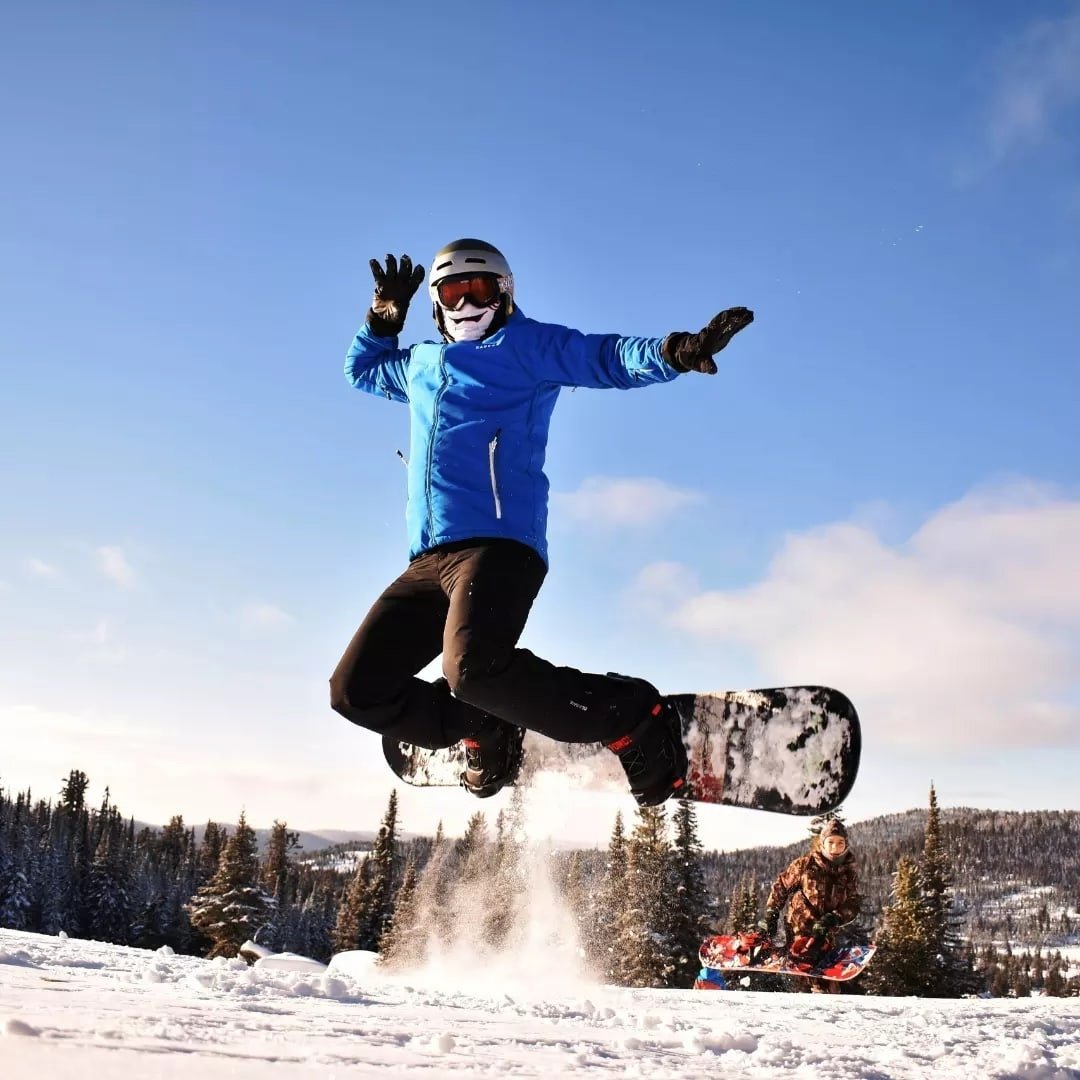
(750, 952)
(791, 750)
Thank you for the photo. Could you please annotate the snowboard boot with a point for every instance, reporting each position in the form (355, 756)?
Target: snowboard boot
(653, 755)
(493, 756)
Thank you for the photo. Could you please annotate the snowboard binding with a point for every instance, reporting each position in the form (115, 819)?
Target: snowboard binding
(493, 758)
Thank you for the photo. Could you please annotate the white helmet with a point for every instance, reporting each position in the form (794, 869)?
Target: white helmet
(471, 290)
(469, 256)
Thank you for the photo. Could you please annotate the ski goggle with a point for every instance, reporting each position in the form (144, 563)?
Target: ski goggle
(480, 289)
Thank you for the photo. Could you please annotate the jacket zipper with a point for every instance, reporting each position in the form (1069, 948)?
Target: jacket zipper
(492, 447)
(431, 441)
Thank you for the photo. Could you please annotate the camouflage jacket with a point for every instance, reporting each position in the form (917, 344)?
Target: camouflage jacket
(813, 886)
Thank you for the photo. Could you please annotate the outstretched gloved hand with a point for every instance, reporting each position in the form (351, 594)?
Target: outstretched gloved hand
(694, 352)
(394, 288)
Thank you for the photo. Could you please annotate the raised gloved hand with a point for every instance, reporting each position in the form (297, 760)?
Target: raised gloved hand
(768, 926)
(694, 352)
(394, 288)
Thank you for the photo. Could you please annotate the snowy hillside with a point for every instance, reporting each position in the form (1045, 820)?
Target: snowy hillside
(75, 1009)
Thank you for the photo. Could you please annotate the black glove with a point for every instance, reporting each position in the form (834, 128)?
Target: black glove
(694, 352)
(394, 288)
(825, 925)
(768, 926)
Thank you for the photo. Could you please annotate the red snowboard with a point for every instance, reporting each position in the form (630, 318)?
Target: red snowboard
(752, 951)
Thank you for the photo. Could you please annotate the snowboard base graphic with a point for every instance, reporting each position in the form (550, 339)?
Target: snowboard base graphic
(791, 750)
(751, 952)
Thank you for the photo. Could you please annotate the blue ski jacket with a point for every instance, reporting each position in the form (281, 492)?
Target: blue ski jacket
(479, 416)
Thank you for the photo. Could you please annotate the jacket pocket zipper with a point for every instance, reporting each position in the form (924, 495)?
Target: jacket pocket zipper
(493, 446)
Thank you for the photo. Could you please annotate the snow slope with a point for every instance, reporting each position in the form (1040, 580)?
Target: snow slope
(71, 1010)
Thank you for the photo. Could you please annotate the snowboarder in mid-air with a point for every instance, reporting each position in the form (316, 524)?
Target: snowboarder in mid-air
(480, 403)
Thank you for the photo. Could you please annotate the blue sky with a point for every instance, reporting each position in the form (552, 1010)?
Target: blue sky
(880, 489)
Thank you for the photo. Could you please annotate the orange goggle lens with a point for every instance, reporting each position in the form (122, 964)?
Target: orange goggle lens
(482, 290)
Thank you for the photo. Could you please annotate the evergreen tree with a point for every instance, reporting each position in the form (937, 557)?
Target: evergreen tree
(904, 962)
(644, 935)
(168, 881)
(947, 976)
(279, 880)
(378, 906)
(54, 887)
(612, 909)
(172, 848)
(315, 924)
(507, 872)
(402, 943)
(108, 891)
(473, 851)
(1055, 984)
(433, 891)
(277, 867)
(73, 793)
(690, 907)
(743, 912)
(70, 844)
(346, 936)
(16, 866)
(213, 844)
(232, 906)
(999, 981)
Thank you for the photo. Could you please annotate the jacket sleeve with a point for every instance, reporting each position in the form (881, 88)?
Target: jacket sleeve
(377, 365)
(785, 884)
(599, 361)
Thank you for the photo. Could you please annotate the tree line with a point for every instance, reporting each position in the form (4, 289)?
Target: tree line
(639, 909)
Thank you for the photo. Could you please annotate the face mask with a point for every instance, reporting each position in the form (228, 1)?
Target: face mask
(469, 322)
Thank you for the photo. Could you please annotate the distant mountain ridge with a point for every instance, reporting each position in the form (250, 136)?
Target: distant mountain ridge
(309, 840)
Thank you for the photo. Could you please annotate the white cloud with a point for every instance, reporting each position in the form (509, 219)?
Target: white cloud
(113, 563)
(660, 586)
(99, 635)
(1037, 79)
(265, 615)
(40, 568)
(623, 502)
(103, 646)
(966, 634)
(1040, 77)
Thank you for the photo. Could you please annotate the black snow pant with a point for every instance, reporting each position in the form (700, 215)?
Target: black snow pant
(469, 601)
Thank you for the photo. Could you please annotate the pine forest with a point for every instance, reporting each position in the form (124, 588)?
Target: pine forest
(958, 901)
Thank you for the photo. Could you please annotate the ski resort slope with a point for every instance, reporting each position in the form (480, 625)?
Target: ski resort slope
(71, 1009)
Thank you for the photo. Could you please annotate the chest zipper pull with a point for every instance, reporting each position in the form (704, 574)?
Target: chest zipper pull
(492, 447)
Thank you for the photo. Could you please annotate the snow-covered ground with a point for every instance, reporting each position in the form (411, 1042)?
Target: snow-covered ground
(73, 1010)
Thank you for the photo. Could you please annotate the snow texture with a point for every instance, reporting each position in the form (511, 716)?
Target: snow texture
(71, 1009)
